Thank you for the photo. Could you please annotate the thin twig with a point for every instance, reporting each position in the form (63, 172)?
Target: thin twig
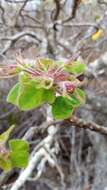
(81, 123)
(88, 125)
(16, 37)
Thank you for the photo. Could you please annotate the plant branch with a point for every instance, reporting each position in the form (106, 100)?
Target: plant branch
(88, 125)
(38, 155)
(80, 123)
(12, 39)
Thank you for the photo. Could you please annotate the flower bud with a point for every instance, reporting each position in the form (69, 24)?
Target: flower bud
(69, 87)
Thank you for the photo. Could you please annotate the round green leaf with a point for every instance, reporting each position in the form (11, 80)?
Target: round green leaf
(45, 63)
(5, 163)
(80, 95)
(13, 94)
(49, 96)
(19, 153)
(74, 101)
(62, 108)
(75, 67)
(30, 97)
(23, 78)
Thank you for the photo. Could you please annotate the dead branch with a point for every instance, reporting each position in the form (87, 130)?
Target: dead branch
(2, 13)
(12, 39)
(71, 6)
(57, 10)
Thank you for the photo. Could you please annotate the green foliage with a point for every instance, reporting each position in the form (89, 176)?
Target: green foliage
(45, 81)
(13, 94)
(75, 67)
(45, 63)
(16, 155)
(27, 96)
(5, 163)
(49, 96)
(80, 96)
(62, 108)
(5, 136)
(40, 83)
(19, 153)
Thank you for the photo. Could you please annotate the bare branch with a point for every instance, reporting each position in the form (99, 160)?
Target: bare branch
(88, 125)
(16, 37)
(80, 123)
(71, 6)
(57, 10)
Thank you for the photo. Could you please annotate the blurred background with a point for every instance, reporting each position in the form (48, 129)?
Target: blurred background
(59, 29)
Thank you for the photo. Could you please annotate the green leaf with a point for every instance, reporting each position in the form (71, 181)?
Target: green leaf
(45, 83)
(46, 63)
(30, 97)
(26, 96)
(62, 108)
(5, 164)
(13, 94)
(49, 96)
(19, 153)
(4, 136)
(36, 83)
(23, 78)
(80, 95)
(75, 67)
(74, 101)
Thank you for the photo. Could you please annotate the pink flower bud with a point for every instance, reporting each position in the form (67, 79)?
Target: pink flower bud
(69, 87)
